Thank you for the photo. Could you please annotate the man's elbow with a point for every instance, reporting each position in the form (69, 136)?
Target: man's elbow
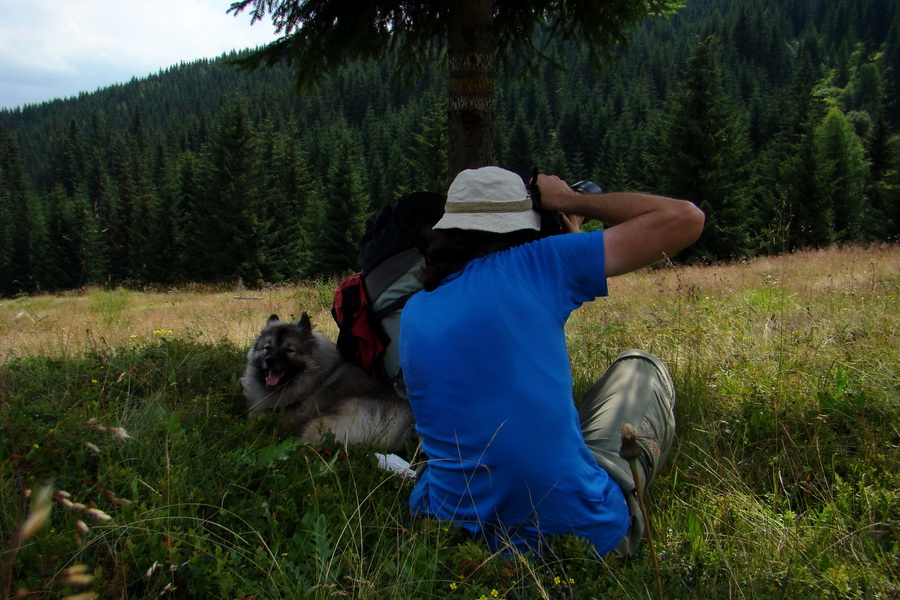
(696, 219)
(689, 223)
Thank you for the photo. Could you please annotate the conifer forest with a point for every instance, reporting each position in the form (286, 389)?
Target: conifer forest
(779, 118)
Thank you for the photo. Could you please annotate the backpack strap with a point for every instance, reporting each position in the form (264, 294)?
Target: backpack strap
(392, 306)
(385, 274)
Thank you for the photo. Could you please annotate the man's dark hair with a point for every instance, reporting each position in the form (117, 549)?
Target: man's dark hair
(451, 250)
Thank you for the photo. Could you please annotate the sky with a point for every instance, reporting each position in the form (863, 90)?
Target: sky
(58, 48)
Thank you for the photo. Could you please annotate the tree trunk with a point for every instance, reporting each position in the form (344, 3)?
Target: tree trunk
(470, 50)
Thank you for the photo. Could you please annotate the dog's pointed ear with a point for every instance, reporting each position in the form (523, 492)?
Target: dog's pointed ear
(304, 324)
(272, 319)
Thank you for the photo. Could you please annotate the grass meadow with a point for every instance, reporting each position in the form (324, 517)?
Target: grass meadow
(128, 469)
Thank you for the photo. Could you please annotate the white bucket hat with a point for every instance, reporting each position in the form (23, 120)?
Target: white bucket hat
(488, 199)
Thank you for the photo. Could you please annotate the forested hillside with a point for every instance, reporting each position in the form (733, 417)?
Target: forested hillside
(780, 118)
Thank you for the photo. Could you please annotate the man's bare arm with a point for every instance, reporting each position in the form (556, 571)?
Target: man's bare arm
(644, 228)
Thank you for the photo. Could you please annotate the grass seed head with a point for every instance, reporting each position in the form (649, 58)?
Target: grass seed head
(120, 433)
(39, 513)
(82, 596)
(98, 514)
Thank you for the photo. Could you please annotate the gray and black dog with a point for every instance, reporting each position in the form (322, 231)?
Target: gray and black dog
(293, 368)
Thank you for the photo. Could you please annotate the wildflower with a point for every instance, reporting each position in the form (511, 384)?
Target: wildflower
(132, 336)
(453, 586)
(95, 381)
(495, 593)
(92, 447)
(35, 446)
(571, 581)
(557, 580)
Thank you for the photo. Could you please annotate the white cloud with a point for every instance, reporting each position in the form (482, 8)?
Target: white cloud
(58, 48)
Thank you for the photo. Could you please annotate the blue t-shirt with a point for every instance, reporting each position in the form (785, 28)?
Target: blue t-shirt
(488, 375)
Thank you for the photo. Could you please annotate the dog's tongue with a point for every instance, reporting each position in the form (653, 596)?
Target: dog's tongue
(273, 378)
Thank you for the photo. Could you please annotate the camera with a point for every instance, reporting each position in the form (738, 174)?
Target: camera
(551, 222)
(586, 187)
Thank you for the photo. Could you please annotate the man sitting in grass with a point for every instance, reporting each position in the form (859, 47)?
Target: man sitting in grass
(486, 367)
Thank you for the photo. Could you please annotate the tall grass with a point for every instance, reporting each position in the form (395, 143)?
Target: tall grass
(783, 483)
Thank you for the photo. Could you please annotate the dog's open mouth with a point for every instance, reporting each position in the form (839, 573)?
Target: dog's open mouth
(273, 378)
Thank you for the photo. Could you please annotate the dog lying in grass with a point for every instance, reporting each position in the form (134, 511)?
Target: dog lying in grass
(296, 370)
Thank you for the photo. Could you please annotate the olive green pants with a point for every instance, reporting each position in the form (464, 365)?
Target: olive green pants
(636, 389)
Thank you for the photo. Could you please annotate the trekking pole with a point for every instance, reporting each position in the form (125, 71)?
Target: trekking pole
(630, 450)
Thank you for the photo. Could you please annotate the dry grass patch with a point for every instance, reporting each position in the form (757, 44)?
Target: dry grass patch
(63, 324)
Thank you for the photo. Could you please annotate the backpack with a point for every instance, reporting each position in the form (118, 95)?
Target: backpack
(367, 305)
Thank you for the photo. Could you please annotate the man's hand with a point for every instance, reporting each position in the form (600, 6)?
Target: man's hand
(553, 195)
(571, 223)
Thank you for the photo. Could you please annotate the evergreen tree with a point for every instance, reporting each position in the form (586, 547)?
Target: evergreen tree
(702, 155)
(891, 62)
(883, 190)
(289, 190)
(188, 196)
(426, 153)
(842, 169)
(22, 227)
(812, 204)
(69, 158)
(143, 260)
(119, 227)
(520, 153)
(90, 244)
(162, 244)
(99, 190)
(337, 219)
(228, 240)
(553, 159)
(321, 35)
(72, 240)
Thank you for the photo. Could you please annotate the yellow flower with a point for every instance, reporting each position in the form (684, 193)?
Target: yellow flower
(495, 593)
(571, 580)
(132, 336)
(453, 586)
(557, 580)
